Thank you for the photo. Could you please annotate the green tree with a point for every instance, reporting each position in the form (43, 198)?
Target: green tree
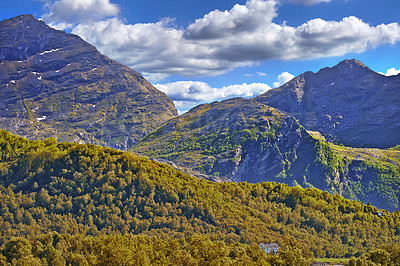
(293, 254)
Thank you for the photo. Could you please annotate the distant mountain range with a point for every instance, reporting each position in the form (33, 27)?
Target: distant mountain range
(287, 135)
(246, 140)
(54, 84)
(348, 103)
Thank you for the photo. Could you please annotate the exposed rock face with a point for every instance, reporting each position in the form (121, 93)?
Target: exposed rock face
(348, 103)
(54, 84)
(246, 140)
(238, 139)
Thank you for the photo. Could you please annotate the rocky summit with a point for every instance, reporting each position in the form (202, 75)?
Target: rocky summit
(348, 103)
(54, 84)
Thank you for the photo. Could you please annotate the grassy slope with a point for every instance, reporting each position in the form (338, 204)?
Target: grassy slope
(365, 174)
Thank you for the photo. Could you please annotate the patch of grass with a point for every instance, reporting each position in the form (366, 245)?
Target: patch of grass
(332, 261)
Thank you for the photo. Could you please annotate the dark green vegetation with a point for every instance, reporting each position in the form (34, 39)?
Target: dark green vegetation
(89, 190)
(53, 84)
(348, 103)
(245, 140)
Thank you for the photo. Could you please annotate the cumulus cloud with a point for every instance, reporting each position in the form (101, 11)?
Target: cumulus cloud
(151, 48)
(221, 40)
(187, 94)
(391, 72)
(320, 38)
(309, 2)
(282, 79)
(241, 18)
(69, 12)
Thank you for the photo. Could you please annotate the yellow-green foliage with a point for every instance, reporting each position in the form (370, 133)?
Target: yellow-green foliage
(372, 174)
(385, 255)
(55, 249)
(85, 189)
(381, 158)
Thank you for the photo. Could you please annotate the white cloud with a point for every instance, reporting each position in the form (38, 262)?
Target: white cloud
(79, 11)
(62, 25)
(391, 72)
(309, 2)
(152, 47)
(261, 74)
(187, 94)
(154, 77)
(320, 38)
(282, 79)
(221, 40)
(241, 18)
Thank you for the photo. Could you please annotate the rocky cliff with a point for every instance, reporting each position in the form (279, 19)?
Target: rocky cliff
(238, 139)
(348, 103)
(54, 84)
(246, 140)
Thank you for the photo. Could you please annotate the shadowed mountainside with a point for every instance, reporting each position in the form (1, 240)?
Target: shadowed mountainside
(54, 84)
(245, 140)
(348, 103)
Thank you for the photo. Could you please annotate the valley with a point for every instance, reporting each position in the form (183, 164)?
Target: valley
(97, 167)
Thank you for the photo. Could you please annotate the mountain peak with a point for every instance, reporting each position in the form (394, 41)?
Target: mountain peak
(25, 22)
(349, 67)
(25, 17)
(348, 103)
(20, 18)
(55, 84)
(351, 64)
(24, 36)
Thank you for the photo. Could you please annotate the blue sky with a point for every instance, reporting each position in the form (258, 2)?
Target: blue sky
(202, 51)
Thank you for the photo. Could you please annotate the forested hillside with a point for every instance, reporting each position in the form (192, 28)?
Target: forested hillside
(90, 190)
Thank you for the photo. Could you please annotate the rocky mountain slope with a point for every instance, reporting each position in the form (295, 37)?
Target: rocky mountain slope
(348, 103)
(245, 140)
(216, 140)
(54, 84)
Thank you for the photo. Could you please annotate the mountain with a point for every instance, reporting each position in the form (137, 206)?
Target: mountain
(246, 140)
(88, 190)
(348, 103)
(238, 139)
(54, 84)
